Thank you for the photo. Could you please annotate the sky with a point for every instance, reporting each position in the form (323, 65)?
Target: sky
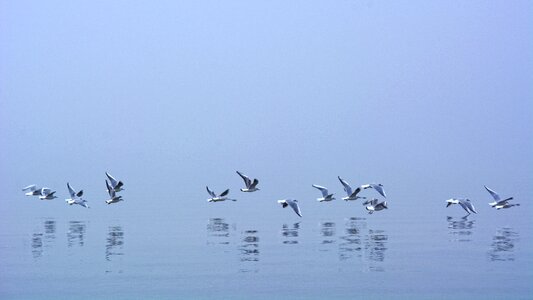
(431, 98)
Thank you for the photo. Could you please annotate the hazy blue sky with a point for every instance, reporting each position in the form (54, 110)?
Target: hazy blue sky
(180, 94)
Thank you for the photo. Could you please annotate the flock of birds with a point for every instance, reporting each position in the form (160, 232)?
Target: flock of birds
(114, 186)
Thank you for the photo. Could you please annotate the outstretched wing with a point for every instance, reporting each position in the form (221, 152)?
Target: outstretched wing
(30, 187)
(295, 207)
(224, 193)
(210, 192)
(378, 188)
(322, 189)
(110, 190)
(347, 187)
(113, 181)
(355, 192)
(493, 194)
(247, 181)
(467, 205)
(45, 192)
(71, 191)
(252, 186)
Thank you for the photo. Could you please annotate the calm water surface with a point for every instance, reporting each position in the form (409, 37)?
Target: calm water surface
(232, 250)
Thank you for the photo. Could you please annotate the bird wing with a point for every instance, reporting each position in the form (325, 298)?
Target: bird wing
(71, 191)
(295, 207)
(467, 205)
(224, 193)
(45, 192)
(355, 192)
(322, 189)
(30, 187)
(246, 179)
(347, 187)
(493, 194)
(113, 181)
(379, 188)
(210, 192)
(252, 186)
(110, 190)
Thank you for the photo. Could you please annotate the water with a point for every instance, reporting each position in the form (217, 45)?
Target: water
(232, 250)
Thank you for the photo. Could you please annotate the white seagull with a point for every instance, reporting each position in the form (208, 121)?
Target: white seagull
(250, 185)
(373, 205)
(221, 197)
(33, 190)
(351, 194)
(377, 186)
(498, 202)
(465, 204)
(112, 194)
(47, 194)
(293, 204)
(326, 196)
(115, 184)
(75, 198)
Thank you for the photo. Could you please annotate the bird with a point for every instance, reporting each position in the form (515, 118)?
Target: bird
(498, 202)
(112, 194)
(250, 185)
(326, 196)
(33, 190)
(351, 195)
(465, 204)
(115, 184)
(373, 205)
(377, 186)
(75, 198)
(47, 194)
(221, 197)
(293, 204)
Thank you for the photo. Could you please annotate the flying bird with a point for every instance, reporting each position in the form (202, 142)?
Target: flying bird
(498, 202)
(112, 194)
(351, 194)
(75, 197)
(250, 185)
(47, 194)
(377, 186)
(33, 190)
(465, 204)
(293, 204)
(115, 184)
(216, 198)
(326, 196)
(373, 205)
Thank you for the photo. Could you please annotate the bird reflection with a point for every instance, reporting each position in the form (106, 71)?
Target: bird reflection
(503, 244)
(218, 232)
(461, 229)
(249, 251)
(375, 247)
(41, 240)
(290, 233)
(364, 243)
(351, 242)
(76, 233)
(115, 242)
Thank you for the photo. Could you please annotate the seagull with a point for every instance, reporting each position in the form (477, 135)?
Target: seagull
(250, 185)
(325, 195)
(293, 204)
(47, 194)
(377, 186)
(33, 190)
(113, 194)
(115, 184)
(352, 195)
(75, 198)
(221, 197)
(465, 204)
(373, 205)
(498, 203)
